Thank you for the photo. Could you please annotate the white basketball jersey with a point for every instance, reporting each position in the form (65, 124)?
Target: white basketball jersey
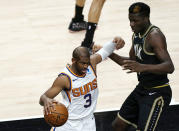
(82, 97)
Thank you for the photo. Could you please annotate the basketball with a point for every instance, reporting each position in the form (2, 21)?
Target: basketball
(58, 116)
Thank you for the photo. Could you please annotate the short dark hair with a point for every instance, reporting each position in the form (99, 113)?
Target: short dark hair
(80, 51)
(139, 8)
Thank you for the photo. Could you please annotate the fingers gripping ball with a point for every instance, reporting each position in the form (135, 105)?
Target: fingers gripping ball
(58, 116)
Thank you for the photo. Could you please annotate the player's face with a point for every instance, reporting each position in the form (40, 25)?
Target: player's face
(82, 65)
(137, 23)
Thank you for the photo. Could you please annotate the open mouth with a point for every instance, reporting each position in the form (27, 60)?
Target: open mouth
(84, 71)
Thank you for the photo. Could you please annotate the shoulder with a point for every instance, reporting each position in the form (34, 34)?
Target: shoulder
(63, 80)
(62, 77)
(155, 33)
(95, 59)
(156, 37)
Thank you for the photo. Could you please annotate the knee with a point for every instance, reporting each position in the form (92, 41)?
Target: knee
(99, 2)
(115, 126)
(119, 125)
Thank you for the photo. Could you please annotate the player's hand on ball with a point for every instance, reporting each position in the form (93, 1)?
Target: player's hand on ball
(49, 105)
(58, 116)
(119, 42)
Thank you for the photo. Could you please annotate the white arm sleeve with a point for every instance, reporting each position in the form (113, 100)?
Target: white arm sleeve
(107, 50)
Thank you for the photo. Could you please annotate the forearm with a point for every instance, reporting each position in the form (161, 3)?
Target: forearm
(105, 51)
(118, 59)
(42, 98)
(163, 68)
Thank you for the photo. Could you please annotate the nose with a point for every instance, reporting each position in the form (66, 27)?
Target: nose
(86, 66)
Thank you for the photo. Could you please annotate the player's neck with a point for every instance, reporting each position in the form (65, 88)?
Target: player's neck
(73, 69)
(145, 29)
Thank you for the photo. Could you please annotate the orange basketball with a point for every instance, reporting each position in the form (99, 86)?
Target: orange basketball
(58, 116)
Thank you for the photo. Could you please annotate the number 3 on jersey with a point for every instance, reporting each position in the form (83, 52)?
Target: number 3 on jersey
(87, 97)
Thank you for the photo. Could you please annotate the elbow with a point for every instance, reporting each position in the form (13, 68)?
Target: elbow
(171, 70)
(40, 101)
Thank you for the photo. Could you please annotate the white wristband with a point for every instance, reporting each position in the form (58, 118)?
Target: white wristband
(107, 50)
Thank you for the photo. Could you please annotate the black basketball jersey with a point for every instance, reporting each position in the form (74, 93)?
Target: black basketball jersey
(144, 57)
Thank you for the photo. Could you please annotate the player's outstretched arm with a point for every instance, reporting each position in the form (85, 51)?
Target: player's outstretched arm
(120, 59)
(46, 99)
(106, 50)
(157, 42)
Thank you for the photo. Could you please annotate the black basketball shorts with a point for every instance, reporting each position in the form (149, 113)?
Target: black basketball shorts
(144, 107)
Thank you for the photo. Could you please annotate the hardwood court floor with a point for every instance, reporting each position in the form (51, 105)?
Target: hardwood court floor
(35, 45)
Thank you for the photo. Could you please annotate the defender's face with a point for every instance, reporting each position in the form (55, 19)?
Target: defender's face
(137, 23)
(82, 65)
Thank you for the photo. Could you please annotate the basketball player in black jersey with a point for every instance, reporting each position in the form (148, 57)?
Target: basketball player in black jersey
(149, 58)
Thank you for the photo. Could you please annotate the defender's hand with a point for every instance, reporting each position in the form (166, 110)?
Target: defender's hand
(96, 48)
(119, 42)
(133, 66)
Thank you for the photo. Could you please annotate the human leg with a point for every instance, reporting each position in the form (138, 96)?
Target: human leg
(119, 125)
(88, 123)
(70, 125)
(83, 124)
(128, 114)
(152, 106)
(77, 23)
(79, 10)
(95, 11)
(93, 18)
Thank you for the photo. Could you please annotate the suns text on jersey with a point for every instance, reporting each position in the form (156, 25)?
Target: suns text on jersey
(83, 90)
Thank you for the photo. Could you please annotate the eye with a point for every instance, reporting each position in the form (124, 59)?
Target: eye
(86, 63)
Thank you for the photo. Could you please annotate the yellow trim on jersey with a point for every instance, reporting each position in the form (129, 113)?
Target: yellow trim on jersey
(144, 45)
(145, 32)
(146, 52)
(152, 110)
(52, 129)
(126, 121)
(93, 70)
(74, 73)
(161, 86)
(158, 86)
(68, 94)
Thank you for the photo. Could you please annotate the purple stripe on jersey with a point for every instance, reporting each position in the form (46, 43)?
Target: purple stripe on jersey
(70, 84)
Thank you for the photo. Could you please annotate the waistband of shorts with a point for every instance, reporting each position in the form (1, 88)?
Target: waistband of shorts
(164, 85)
(91, 115)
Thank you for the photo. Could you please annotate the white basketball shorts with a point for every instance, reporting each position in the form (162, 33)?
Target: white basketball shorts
(83, 124)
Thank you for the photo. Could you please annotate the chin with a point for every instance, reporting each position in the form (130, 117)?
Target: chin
(82, 73)
(136, 32)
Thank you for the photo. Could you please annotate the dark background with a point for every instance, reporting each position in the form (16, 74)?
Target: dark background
(103, 122)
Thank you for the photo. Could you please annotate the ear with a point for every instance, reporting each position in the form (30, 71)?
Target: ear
(73, 60)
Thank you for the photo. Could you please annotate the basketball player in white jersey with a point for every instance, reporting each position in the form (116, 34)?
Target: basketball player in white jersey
(78, 85)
